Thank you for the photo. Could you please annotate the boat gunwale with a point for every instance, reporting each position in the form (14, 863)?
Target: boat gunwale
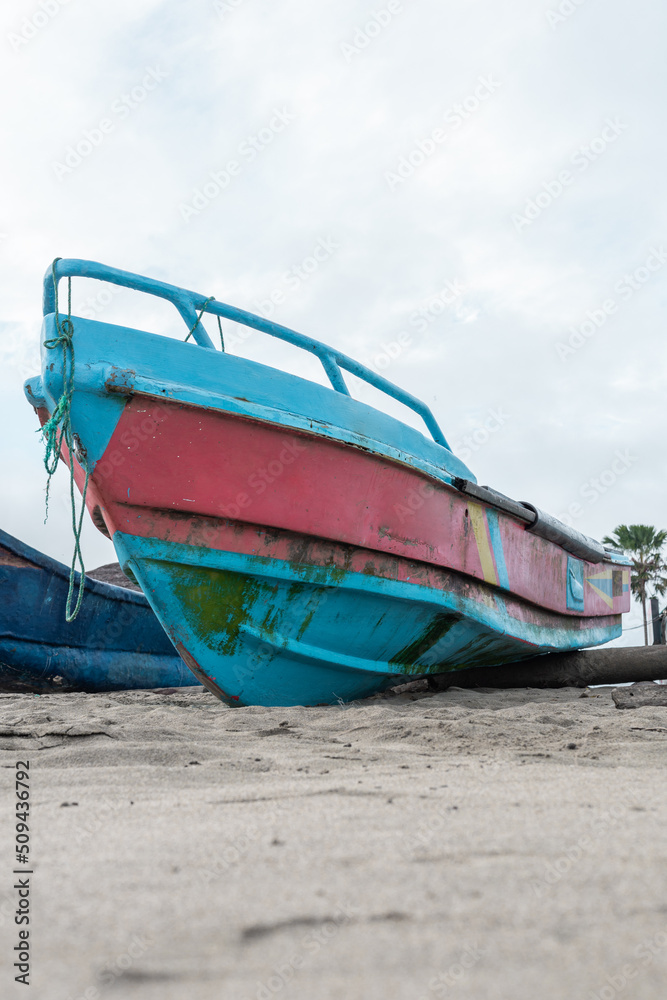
(333, 417)
(39, 560)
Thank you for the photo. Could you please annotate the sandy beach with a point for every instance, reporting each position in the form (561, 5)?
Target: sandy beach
(477, 844)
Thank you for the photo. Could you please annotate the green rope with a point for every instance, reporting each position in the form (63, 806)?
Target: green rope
(198, 320)
(58, 431)
(196, 323)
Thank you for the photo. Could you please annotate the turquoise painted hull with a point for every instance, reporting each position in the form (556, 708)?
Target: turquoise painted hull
(260, 631)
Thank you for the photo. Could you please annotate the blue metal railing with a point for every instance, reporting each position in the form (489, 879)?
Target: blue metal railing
(189, 305)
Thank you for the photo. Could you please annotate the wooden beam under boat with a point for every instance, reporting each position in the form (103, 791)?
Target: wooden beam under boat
(583, 668)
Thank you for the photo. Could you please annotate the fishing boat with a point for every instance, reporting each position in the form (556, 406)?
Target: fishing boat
(298, 545)
(115, 643)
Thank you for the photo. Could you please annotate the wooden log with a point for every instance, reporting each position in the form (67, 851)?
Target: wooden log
(616, 665)
(640, 695)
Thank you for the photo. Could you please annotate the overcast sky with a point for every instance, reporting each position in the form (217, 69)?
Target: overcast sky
(483, 183)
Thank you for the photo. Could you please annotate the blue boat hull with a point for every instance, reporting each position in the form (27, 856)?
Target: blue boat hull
(32, 666)
(115, 643)
(260, 631)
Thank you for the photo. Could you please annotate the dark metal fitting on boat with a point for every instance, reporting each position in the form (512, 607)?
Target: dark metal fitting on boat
(494, 499)
(80, 452)
(537, 521)
(549, 527)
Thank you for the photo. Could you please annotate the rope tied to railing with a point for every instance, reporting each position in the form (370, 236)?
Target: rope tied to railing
(58, 430)
(196, 323)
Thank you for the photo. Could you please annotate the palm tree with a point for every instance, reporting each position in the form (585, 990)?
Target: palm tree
(643, 544)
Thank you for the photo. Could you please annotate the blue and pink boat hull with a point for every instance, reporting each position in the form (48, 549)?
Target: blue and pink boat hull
(297, 545)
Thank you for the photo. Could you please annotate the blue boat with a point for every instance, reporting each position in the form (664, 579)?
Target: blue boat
(300, 546)
(115, 643)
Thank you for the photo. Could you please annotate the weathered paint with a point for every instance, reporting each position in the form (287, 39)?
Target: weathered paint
(254, 471)
(297, 545)
(115, 643)
(241, 617)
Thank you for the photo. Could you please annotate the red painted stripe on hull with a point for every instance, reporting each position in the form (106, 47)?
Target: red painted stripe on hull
(157, 445)
(207, 462)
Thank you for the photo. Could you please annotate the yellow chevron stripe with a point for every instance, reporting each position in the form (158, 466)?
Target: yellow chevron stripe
(604, 574)
(482, 538)
(605, 597)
